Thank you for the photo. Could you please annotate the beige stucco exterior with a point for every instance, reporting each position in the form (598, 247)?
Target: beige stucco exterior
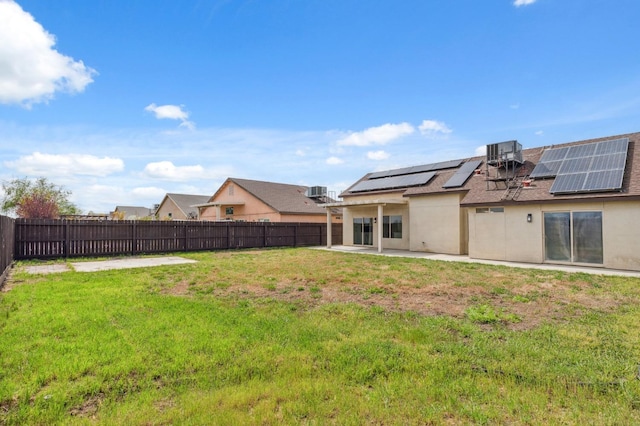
(168, 210)
(372, 212)
(249, 208)
(508, 236)
(438, 224)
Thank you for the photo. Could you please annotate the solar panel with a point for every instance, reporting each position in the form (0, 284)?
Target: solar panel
(554, 154)
(605, 180)
(579, 151)
(548, 169)
(609, 162)
(416, 169)
(390, 182)
(463, 173)
(593, 167)
(575, 165)
(549, 163)
(568, 183)
(613, 146)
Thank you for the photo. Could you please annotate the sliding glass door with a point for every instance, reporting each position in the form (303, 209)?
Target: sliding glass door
(573, 237)
(363, 231)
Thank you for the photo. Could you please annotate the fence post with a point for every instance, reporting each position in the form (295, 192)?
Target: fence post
(186, 232)
(133, 238)
(65, 244)
(264, 234)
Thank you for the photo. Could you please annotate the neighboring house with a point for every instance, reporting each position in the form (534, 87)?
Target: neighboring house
(131, 213)
(574, 203)
(253, 200)
(180, 206)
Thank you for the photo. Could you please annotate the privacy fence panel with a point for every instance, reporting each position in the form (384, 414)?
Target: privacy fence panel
(42, 239)
(7, 237)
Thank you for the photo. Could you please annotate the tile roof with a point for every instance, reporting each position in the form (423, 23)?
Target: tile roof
(479, 191)
(282, 197)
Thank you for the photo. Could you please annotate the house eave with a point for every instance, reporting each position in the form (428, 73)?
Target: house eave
(378, 202)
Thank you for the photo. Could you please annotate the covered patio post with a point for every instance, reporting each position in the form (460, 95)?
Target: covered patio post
(329, 227)
(380, 228)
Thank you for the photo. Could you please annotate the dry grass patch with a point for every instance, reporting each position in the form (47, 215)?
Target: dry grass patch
(312, 278)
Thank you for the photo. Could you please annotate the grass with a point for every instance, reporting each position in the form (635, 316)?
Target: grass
(299, 336)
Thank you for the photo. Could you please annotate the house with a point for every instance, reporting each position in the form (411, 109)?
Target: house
(573, 203)
(131, 213)
(253, 200)
(180, 206)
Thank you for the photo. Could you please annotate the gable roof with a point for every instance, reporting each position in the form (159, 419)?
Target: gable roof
(479, 190)
(185, 202)
(282, 197)
(136, 211)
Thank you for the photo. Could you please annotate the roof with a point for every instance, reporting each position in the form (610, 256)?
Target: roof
(185, 202)
(136, 211)
(282, 197)
(478, 190)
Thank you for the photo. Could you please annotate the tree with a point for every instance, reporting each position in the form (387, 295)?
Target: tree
(36, 199)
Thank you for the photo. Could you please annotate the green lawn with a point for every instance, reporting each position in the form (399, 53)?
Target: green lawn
(301, 336)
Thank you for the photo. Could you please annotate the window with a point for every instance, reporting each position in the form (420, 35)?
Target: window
(490, 210)
(392, 226)
(228, 210)
(573, 237)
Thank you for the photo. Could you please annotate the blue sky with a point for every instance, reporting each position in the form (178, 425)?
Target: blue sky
(121, 101)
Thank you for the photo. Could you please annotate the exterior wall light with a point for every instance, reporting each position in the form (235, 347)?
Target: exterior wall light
(529, 218)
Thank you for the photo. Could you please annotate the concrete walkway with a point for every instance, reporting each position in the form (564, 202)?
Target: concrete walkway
(463, 258)
(104, 265)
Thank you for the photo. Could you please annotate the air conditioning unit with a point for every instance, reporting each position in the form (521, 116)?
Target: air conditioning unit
(317, 191)
(500, 153)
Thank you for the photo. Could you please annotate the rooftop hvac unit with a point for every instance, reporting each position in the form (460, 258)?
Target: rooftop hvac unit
(500, 154)
(317, 191)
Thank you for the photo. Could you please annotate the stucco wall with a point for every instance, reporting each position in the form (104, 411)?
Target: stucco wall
(621, 235)
(508, 236)
(372, 211)
(309, 218)
(437, 224)
(170, 207)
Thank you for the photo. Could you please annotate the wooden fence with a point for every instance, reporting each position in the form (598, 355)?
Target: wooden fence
(45, 239)
(7, 232)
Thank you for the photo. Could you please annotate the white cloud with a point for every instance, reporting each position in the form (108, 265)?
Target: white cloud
(514, 106)
(380, 135)
(432, 128)
(166, 170)
(518, 3)
(539, 133)
(66, 165)
(171, 112)
(149, 192)
(481, 150)
(334, 161)
(377, 155)
(31, 70)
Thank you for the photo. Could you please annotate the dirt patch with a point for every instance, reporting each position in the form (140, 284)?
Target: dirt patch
(530, 305)
(180, 289)
(89, 408)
